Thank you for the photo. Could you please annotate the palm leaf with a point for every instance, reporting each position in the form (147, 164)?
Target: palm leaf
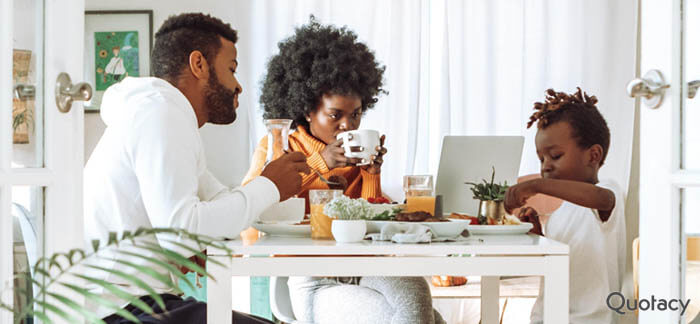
(137, 302)
(172, 269)
(134, 280)
(71, 263)
(104, 302)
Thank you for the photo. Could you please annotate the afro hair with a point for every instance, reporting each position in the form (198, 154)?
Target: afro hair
(318, 60)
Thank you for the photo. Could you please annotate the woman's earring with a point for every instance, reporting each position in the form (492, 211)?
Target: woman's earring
(308, 119)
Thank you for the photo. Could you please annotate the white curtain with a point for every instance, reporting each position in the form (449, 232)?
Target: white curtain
(461, 68)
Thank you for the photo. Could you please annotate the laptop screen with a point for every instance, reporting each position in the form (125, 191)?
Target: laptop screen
(470, 159)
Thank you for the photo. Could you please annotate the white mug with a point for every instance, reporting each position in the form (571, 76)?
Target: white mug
(366, 138)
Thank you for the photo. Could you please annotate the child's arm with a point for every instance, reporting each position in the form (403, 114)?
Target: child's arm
(580, 193)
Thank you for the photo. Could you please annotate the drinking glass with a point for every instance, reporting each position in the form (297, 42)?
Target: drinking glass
(320, 222)
(277, 138)
(418, 185)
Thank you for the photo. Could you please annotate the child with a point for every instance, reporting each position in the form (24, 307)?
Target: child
(572, 142)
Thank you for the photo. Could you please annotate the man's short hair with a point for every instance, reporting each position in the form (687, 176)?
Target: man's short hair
(181, 35)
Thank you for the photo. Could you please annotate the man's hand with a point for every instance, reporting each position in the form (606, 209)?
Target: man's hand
(284, 173)
(529, 215)
(517, 195)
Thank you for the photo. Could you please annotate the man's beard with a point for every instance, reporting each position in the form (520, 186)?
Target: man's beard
(219, 101)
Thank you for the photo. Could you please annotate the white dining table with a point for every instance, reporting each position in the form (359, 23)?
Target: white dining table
(489, 256)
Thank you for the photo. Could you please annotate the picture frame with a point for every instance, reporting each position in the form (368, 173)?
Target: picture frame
(118, 44)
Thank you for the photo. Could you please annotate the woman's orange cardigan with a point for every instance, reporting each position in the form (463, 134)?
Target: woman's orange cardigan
(361, 184)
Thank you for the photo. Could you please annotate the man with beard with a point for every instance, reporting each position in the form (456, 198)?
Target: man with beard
(148, 169)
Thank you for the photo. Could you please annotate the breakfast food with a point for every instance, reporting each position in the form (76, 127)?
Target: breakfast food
(418, 216)
(448, 281)
(473, 220)
(378, 200)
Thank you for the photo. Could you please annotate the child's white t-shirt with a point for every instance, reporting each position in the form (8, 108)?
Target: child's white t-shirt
(596, 257)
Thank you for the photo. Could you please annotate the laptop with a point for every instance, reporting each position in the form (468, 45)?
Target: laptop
(470, 159)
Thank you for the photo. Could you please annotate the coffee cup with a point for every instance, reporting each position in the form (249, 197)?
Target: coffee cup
(360, 144)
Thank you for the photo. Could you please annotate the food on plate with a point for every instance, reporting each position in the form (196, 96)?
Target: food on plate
(473, 220)
(448, 281)
(378, 200)
(418, 216)
(428, 204)
(511, 220)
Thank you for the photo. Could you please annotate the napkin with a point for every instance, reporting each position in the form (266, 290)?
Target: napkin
(407, 233)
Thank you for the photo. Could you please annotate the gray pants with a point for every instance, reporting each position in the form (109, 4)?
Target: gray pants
(374, 300)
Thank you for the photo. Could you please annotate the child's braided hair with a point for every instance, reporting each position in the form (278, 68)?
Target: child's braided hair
(580, 111)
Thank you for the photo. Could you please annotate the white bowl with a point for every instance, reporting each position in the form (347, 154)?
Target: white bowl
(289, 211)
(348, 231)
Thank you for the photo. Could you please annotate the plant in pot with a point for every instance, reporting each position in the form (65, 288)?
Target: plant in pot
(348, 218)
(491, 196)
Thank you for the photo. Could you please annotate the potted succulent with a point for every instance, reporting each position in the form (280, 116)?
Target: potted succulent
(491, 196)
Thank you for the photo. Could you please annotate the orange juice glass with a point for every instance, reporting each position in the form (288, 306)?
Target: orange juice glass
(320, 223)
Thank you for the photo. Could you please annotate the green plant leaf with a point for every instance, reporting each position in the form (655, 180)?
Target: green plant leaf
(90, 316)
(172, 269)
(150, 272)
(133, 300)
(134, 280)
(194, 251)
(174, 257)
(53, 309)
(98, 299)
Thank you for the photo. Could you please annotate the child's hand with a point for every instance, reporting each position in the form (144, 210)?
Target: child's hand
(517, 195)
(529, 215)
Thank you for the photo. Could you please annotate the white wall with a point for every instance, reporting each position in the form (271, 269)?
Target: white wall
(226, 146)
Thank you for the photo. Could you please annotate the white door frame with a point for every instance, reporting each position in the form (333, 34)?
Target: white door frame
(63, 135)
(662, 243)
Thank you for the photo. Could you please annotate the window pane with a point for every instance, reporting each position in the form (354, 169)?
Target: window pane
(27, 76)
(691, 110)
(27, 236)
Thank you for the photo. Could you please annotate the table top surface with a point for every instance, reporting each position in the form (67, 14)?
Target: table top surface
(516, 245)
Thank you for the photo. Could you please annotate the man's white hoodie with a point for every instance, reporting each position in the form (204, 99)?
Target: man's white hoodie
(148, 170)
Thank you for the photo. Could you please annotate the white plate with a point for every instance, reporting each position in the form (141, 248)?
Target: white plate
(499, 229)
(441, 229)
(287, 230)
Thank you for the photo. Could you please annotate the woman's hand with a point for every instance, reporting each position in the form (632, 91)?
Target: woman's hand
(334, 155)
(375, 165)
(529, 215)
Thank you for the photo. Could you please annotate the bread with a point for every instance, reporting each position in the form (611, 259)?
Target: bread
(448, 281)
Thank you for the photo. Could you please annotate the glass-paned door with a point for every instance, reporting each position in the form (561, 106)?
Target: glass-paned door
(41, 148)
(669, 232)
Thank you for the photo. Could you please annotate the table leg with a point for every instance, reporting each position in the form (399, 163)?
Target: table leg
(556, 290)
(490, 295)
(219, 296)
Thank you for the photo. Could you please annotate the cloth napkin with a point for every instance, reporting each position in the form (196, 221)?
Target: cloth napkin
(407, 233)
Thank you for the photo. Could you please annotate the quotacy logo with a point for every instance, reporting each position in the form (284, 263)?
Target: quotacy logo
(617, 302)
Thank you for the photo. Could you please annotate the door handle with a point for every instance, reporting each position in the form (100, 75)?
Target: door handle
(25, 92)
(67, 92)
(651, 88)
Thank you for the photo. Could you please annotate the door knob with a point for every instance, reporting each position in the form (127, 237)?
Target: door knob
(651, 88)
(67, 92)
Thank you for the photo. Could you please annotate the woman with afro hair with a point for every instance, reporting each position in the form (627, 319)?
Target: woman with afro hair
(324, 80)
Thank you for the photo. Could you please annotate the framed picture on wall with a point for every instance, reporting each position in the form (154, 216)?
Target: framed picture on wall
(117, 45)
